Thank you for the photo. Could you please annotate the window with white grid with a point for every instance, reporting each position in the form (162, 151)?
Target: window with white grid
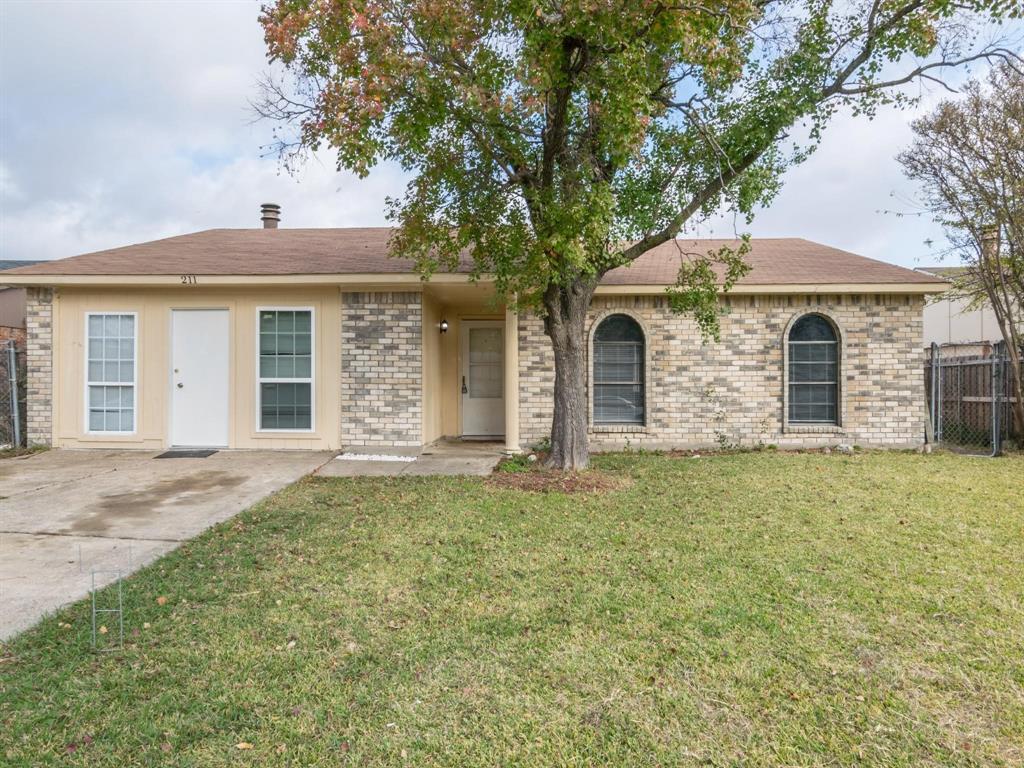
(286, 369)
(619, 371)
(110, 372)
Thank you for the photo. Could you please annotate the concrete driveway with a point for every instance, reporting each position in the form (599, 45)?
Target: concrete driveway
(64, 514)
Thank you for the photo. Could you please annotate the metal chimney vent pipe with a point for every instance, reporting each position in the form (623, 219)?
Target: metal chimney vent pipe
(270, 215)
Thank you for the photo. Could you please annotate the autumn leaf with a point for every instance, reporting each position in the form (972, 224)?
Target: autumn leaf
(161, 600)
(243, 745)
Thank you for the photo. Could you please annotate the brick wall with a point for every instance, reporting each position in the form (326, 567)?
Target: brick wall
(381, 369)
(17, 335)
(732, 392)
(39, 330)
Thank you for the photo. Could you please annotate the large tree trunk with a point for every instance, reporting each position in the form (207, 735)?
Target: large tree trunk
(565, 323)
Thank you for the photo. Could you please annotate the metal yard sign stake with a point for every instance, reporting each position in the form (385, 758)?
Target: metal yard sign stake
(97, 611)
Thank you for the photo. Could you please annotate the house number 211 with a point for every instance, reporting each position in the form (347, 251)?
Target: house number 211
(188, 280)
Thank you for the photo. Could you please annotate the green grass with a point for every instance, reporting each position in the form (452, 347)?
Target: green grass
(746, 609)
(13, 453)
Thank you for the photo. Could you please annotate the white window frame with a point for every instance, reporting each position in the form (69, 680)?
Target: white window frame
(618, 426)
(135, 375)
(260, 381)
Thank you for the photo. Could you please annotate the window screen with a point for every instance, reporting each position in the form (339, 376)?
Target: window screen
(286, 369)
(619, 371)
(110, 374)
(813, 372)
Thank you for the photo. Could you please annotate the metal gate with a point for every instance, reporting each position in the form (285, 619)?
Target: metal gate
(969, 399)
(11, 396)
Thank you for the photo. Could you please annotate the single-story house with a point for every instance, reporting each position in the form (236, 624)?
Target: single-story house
(318, 339)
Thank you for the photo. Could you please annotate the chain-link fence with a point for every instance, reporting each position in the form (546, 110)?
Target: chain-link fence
(969, 398)
(12, 395)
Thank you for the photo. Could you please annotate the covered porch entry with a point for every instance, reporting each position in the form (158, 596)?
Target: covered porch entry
(470, 366)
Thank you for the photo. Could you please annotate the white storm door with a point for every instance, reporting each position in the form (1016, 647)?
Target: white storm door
(483, 378)
(199, 377)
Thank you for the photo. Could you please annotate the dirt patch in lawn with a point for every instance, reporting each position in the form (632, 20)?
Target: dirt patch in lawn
(549, 480)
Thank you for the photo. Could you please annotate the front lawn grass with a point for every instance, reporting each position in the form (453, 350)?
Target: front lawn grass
(746, 609)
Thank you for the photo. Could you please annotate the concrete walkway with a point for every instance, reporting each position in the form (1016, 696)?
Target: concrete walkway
(448, 457)
(64, 514)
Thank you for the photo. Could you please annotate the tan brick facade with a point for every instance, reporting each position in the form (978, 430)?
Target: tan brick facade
(39, 331)
(381, 369)
(726, 393)
(732, 392)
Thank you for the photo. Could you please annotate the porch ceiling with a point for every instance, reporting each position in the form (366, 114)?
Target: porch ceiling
(474, 296)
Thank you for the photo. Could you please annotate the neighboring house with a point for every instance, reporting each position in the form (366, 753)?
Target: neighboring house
(317, 339)
(12, 305)
(951, 320)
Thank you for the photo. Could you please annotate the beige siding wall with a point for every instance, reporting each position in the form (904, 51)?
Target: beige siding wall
(451, 364)
(153, 307)
(432, 365)
(732, 392)
(954, 321)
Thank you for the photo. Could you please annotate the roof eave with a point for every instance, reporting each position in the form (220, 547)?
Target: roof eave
(762, 289)
(410, 280)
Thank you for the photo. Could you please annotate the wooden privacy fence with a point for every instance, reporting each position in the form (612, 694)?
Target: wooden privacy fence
(969, 399)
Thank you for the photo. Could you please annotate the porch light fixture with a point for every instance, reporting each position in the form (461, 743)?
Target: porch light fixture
(444, 326)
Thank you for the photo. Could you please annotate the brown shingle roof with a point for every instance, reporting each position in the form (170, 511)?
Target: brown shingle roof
(773, 261)
(364, 250)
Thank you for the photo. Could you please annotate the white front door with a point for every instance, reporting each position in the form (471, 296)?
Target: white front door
(483, 378)
(199, 377)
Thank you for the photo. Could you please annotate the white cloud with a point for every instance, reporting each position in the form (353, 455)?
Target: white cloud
(121, 123)
(124, 122)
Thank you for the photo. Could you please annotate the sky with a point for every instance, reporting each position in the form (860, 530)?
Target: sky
(122, 122)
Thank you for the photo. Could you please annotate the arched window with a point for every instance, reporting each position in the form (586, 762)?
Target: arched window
(813, 372)
(619, 371)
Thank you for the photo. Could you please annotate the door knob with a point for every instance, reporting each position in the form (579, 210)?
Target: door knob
(180, 385)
